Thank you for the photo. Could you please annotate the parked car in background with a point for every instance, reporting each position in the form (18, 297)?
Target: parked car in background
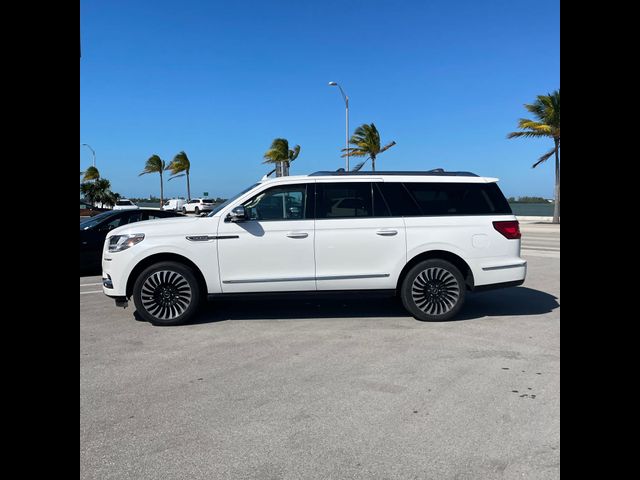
(174, 204)
(198, 205)
(427, 237)
(125, 204)
(94, 230)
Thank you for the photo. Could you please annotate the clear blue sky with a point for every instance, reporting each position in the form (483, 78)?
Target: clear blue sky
(445, 79)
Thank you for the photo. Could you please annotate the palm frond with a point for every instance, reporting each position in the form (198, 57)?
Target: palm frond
(355, 152)
(544, 157)
(527, 134)
(153, 165)
(387, 147)
(91, 173)
(293, 154)
(176, 176)
(279, 152)
(180, 163)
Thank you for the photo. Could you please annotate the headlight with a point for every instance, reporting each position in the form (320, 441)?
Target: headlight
(118, 243)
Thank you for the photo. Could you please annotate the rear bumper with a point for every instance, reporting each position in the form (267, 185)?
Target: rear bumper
(495, 286)
(496, 271)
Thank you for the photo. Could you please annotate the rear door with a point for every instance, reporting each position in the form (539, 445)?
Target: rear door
(359, 245)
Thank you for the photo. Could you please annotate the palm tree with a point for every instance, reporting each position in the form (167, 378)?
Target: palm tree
(98, 191)
(90, 173)
(280, 154)
(366, 139)
(155, 165)
(546, 110)
(177, 166)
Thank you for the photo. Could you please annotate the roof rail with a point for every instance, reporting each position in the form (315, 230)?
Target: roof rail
(435, 172)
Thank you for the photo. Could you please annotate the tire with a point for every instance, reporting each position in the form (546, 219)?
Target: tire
(197, 211)
(179, 286)
(184, 210)
(433, 290)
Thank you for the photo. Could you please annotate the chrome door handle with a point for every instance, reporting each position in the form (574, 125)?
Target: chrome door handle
(297, 235)
(387, 233)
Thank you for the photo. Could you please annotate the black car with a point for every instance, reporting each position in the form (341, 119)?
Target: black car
(94, 230)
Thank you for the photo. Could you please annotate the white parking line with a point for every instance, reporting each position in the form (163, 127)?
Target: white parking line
(92, 291)
(540, 253)
(90, 284)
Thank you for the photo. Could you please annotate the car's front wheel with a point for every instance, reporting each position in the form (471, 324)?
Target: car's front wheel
(166, 293)
(197, 211)
(433, 290)
(184, 210)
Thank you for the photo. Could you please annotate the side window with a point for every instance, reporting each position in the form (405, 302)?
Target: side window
(380, 207)
(110, 225)
(343, 200)
(398, 200)
(152, 216)
(132, 217)
(433, 198)
(279, 203)
(458, 198)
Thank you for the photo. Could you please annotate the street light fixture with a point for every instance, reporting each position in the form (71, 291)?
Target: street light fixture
(346, 102)
(92, 151)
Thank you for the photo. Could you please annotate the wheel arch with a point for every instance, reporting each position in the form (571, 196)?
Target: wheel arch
(456, 260)
(164, 257)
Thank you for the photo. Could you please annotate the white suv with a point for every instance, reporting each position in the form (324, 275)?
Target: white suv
(198, 205)
(125, 204)
(428, 237)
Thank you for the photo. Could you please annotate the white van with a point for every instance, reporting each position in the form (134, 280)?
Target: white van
(174, 204)
(427, 237)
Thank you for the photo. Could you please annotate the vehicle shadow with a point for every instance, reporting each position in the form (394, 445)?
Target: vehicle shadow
(506, 302)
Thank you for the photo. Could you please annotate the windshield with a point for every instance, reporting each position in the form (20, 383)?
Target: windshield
(124, 202)
(93, 221)
(227, 202)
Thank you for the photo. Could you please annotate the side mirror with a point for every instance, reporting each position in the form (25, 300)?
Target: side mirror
(238, 214)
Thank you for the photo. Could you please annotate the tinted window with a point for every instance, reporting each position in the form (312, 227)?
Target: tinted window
(156, 215)
(207, 201)
(228, 201)
(398, 200)
(343, 200)
(278, 203)
(96, 219)
(124, 202)
(380, 207)
(113, 223)
(459, 198)
(133, 217)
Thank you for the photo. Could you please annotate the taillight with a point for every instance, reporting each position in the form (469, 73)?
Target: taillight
(509, 229)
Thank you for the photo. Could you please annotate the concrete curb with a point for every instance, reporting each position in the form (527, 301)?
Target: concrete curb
(528, 218)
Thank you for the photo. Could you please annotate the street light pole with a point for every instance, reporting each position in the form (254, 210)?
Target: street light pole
(92, 151)
(346, 103)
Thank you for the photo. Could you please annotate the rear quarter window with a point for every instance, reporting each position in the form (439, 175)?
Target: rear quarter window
(458, 198)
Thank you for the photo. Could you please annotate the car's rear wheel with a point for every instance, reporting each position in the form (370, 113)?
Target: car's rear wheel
(433, 290)
(197, 211)
(166, 293)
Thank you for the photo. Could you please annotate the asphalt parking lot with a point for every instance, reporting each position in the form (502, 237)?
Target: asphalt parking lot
(328, 387)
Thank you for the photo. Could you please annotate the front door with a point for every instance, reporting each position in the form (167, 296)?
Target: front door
(271, 251)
